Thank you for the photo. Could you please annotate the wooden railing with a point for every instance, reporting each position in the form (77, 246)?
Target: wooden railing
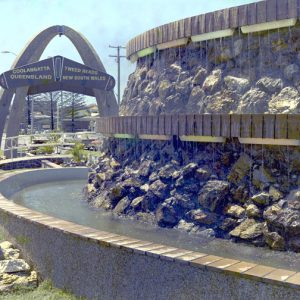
(268, 126)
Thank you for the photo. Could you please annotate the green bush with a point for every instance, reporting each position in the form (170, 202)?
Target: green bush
(48, 149)
(78, 152)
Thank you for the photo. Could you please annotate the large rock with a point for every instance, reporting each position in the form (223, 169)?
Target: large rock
(253, 211)
(255, 101)
(166, 172)
(261, 199)
(202, 217)
(116, 194)
(291, 71)
(200, 76)
(145, 168)
(262, 178)
(220, 102)
(235, 211)
(122, 205)
(270, 85)
(236, 84)
(13, 266)
(165, 89)
(249, 230)
(183, 88)
(158, 188)
(284, 221)
(17, 281)
(202, 174)
(213, 194)
(275, 241)
(166, 215)
(240, 169)
(213, 81)
(196, 100)
(189, 170)
(287, 101)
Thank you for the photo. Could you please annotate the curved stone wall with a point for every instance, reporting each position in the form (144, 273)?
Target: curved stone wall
(207, 71)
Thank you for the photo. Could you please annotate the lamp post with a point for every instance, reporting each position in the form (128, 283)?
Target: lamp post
(8, 52)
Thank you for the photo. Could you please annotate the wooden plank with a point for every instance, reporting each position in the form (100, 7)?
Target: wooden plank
(187, 28)
(144, 125)
(271, 10)
(155, 125)
(202, 24)
(269, 126)
(261, 12)
(190, 128)
(226, 19)
(209, 22)
(235, 125)
(251, 15)
(216, 125)
(294, 127)
(195, 25)
(281, 126)
(199, 125)
(159, 34)
(246, 120)
(292, 9)
(139, 125)
(218, 20)
(182, 125)
(242, 15)
(175, 125)
(172, 31)
(165, 34)
(181, 29)
(168, 124)
(161, 124)
(207, 125)
(149, 120)
(225, 125)
(233, 17)
(257, 126)
(282, 9)
(133, 125)
(113, 124)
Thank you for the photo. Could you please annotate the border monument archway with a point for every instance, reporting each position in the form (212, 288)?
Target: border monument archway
(106, 101)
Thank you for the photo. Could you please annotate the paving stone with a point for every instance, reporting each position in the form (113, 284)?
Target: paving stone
(279, 275)
(259, 271)
(241, 267)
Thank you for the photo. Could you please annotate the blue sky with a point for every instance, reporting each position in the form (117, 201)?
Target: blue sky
(103, 22)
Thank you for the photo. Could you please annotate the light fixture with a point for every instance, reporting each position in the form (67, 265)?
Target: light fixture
(146, 51)
(269, 25)
(212, 35)
(171, 44)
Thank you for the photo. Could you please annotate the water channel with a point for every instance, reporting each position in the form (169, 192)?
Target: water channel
(65, 200)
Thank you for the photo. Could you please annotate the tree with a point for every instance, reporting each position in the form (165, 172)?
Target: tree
(74, 106)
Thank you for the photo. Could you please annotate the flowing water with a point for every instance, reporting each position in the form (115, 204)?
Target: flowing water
(65, 200)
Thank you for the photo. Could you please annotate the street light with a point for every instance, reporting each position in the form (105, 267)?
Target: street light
(6, 52)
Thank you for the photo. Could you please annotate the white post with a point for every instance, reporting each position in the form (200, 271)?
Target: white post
(32, 117)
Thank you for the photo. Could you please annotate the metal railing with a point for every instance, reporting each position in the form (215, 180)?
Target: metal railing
(22, 145)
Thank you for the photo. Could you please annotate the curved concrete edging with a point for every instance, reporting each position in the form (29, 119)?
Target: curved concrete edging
(103, 265)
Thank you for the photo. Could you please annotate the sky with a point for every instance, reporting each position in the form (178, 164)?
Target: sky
(102, 22)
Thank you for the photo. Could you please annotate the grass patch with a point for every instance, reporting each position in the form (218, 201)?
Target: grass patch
(45, 291)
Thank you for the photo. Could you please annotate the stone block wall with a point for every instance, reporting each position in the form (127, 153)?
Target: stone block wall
(253, 73)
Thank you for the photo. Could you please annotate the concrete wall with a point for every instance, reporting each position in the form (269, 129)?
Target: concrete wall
(100, 265)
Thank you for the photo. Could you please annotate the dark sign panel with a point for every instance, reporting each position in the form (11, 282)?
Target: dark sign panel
(37, 73)
(57, 69)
